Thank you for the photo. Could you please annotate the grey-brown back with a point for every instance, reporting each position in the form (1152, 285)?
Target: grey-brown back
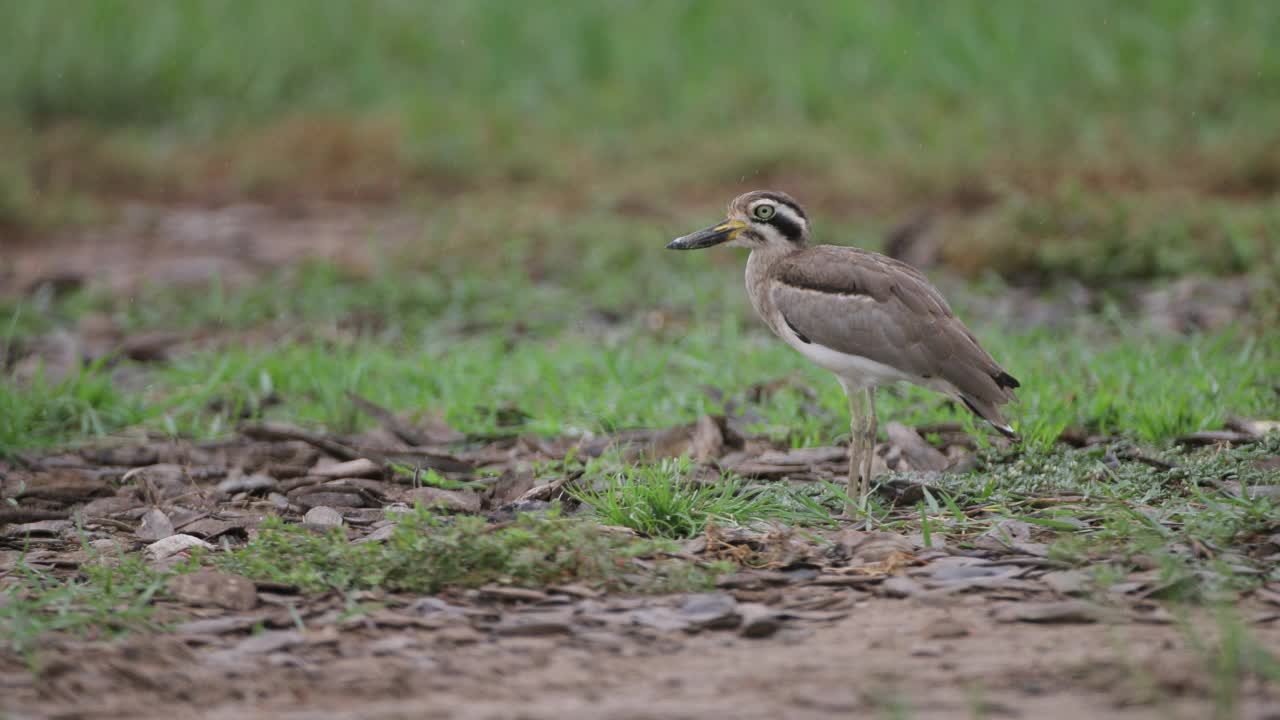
(869, 305)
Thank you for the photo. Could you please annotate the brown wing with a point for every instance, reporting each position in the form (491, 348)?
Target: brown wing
(866, 304)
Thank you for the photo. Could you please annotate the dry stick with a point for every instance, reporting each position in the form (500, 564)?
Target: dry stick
(276, 432)
(444, 462)
(19, 515)
(279, 432)
(1141, 457)
(388, 420)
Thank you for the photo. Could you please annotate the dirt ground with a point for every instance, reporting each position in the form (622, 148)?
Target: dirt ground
(184, 247)
(887, 658)
(883, 627)
(834, 623)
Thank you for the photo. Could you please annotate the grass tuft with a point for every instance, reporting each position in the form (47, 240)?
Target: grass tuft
(661, 501)
(428, 552)
(109, 597)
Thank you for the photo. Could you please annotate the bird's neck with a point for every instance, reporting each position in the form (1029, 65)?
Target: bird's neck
(759, 267)
(769, 253)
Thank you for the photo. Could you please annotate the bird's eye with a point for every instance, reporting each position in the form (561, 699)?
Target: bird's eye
(763, 212)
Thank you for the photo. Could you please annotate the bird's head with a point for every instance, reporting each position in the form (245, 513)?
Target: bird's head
(758, 219)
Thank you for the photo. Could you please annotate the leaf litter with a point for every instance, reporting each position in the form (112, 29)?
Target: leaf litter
(191, 510)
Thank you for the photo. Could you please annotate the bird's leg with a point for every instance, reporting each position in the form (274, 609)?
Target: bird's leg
(858, 413)
(869, 451)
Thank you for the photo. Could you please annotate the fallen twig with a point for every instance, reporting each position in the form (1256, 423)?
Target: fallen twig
(19, 515)
(388, 420)
(277, 432)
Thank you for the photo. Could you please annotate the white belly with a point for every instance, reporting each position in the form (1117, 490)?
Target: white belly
(854, 371)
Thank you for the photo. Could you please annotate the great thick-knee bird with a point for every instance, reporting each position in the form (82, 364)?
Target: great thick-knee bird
(868, 318)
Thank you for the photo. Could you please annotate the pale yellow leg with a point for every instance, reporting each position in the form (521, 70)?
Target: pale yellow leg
(857, 410)
(862, 443)
(869, 452)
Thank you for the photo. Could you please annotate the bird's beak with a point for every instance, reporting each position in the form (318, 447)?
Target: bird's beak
(724, 232)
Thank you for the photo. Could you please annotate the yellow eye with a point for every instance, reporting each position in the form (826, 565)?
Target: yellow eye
(763, 211)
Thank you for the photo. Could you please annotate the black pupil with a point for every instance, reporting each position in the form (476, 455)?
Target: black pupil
(764, 211)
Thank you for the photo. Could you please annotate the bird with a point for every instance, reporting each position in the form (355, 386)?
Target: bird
(868, 318)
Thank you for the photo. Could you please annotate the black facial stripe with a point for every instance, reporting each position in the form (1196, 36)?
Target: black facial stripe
(787, 202)
(790, 229)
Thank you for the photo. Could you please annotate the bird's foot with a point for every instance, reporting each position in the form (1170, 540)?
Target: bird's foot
(853, 514)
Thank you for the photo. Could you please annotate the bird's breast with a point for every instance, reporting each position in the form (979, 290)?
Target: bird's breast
(757, 277)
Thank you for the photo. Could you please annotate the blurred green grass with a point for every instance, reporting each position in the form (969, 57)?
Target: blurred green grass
(905, 72)
(1073, 122)
(481, 82)
(674, 349)
(554, 147)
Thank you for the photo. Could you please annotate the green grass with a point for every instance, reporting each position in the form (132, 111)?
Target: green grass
(1113, 379)
(1231, 657)
(110, 596)
(661, 501)
(429, 552)
(551, 152)
(906, 100)
(85, 404)
(1120, 515)
(990, 69)
(1104, 238)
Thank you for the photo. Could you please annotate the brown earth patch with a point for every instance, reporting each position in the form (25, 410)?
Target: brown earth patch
(826, 623)
(887, 656)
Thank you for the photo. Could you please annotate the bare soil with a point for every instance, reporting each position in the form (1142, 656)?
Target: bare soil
(833, 623)
(950, 660)
(883, 627)
(187, 247)
(147, 246)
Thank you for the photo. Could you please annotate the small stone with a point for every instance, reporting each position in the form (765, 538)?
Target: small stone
(449, 500)
(218, 589)
(260, 644)
(963, 568)
(711, 611)
(539, 627)
(173, 545)
(278, 501)
(358, 468)
(111, 506)
(332, 499)
(758, 620)
(658, 618)
(210, 528)
(378, 535)
(458, 635)
(247, 483)
(155, 526)
(945, 629)
(1066, 582)
(514, 594)
(323, 516)
(864, 547)
(1263, 491)
(46, 528)
(897, 586)
(160, 482)
(394, 645)
(1066, 611)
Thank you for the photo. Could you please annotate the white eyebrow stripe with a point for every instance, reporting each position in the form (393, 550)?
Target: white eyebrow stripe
(790, 214)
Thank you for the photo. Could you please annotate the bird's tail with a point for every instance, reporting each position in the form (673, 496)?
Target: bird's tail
(991, 413)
